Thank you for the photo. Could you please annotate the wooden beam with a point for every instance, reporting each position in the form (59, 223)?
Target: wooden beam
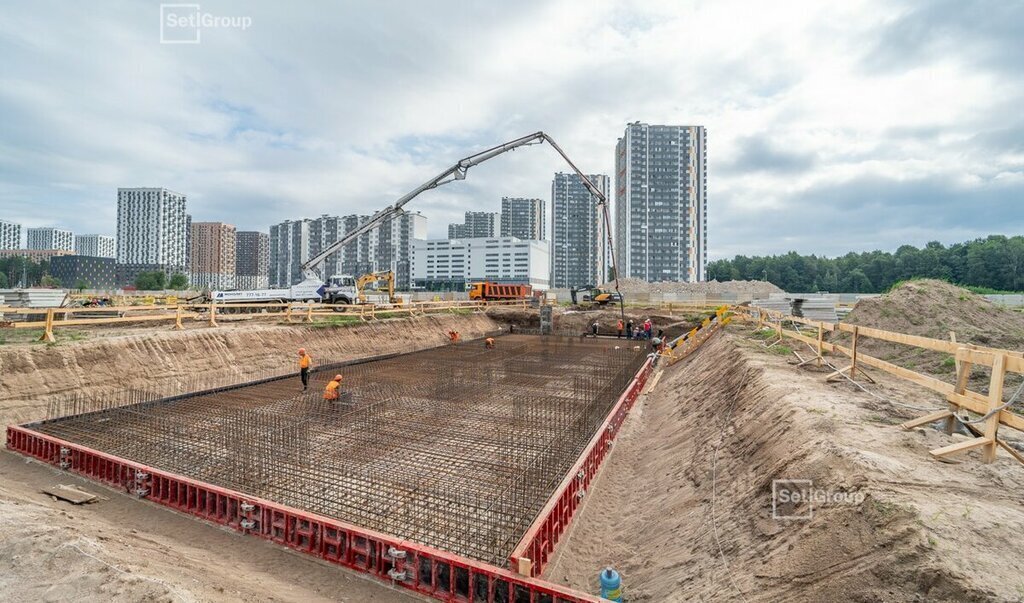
(959, 447)
(929, 418)
(995, 400)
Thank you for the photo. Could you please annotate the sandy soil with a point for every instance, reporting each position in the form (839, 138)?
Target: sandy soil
(122, 549)
(683, 506)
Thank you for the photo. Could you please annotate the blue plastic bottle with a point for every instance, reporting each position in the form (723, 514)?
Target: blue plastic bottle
(611, 585)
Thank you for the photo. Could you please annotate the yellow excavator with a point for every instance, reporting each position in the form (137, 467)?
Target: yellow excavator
(387, 277)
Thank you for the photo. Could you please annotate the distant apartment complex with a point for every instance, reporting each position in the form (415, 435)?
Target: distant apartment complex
(386, 247)
(152, 232)
(661, 203)
(579, 241)
(477, 224)
(40, 239)
(95, 245)
(523, 218)
(10, 235)
(35, 255)
(252, 256)
(213, 255)
(451, 264)
(84, 271)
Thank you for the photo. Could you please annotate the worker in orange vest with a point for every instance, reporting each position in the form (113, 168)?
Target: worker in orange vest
(489, 343)
(453, 336)
(619, 326)
(331, 391)
(304, 363)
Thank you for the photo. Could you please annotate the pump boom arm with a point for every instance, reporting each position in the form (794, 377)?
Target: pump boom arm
(458, 172)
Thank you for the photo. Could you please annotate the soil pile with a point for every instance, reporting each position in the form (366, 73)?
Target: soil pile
(932, 308)
(683, 508)
(758, 289)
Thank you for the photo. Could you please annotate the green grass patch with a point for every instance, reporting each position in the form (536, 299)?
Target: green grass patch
(336, 321)
(781, 350)
(948, 362)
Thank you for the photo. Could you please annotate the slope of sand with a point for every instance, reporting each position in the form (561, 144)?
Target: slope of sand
(683, 506)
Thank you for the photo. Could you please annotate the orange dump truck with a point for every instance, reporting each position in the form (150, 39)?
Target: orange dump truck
(487, 290)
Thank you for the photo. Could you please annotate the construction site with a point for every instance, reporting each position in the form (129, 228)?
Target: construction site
(518, 472)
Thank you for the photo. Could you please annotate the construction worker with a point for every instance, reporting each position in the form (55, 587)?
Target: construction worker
(304, 363)
(331, 391)
(489, 343)
(647, 328)
(629, 329)
(619, 326)
(453, 337)
(593, 329)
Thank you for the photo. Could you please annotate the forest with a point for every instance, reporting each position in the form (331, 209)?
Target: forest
(988, 265)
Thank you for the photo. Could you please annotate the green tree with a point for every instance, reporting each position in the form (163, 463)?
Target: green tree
(3, 281)
(80, 284)
(48, 281)
(178, 282)
(150, 281)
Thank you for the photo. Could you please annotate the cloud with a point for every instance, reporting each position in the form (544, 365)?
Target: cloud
(337, 108)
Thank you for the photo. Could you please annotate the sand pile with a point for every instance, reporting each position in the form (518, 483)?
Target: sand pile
(932, 308)
(709, 288)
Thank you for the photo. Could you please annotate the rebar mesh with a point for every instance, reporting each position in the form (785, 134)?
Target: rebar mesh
(457, 448)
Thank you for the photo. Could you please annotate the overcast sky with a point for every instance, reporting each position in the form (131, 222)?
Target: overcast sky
(831, 126)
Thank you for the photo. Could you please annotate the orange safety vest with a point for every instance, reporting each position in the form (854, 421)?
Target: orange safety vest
(620, 325)
(304, 361)
(331, 393)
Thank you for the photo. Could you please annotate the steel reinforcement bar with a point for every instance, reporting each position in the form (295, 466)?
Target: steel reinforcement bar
(425, 570)
(538, 543)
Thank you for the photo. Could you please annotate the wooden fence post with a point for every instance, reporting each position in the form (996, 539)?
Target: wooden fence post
(853, 353)
(177, 318)
(213, 314)
(288, 312)
(963, 377)
(995, 400)
(820, 337)
(309, 313)
(48, 329)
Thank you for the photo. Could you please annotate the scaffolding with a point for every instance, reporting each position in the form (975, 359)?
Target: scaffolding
(457, 448)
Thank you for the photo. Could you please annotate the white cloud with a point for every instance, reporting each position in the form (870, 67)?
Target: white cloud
(340, 108)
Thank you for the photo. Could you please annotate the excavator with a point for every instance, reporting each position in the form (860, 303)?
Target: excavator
(313, 288)
(593, 295)
(385, 276)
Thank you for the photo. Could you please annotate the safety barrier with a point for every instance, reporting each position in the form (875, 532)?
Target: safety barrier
(415, 567)
(64, 317)
(993, 410)
(538, 543)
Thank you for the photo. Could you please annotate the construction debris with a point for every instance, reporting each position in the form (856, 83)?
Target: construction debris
(71, 494)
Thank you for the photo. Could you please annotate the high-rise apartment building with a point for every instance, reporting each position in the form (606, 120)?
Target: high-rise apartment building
(151, 232)
(386, 247)
(252, 258)
(95, 245)
(579, 237)
(451, 264)
(213, 255)
(523, 218)
(10, 235)
(50, 238)
(661, 203)
(477, 224)
(289, 248)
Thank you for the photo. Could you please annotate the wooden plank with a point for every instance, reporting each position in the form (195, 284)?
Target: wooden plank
(995, 400)
(959, 447)
(71, 494)
(970, 402)
(929, 418)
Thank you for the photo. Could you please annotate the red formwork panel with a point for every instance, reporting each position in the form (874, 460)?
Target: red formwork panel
(432, 572)
(538, 543)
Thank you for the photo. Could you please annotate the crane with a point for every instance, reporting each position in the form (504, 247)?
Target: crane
(458, 171)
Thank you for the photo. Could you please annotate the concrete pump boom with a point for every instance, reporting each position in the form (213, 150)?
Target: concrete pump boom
(458, 172)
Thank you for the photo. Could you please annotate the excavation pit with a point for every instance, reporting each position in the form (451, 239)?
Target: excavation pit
(458, 448)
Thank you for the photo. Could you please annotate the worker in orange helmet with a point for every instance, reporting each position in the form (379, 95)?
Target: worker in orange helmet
(489, 343)
(331, 391)
(304, 363)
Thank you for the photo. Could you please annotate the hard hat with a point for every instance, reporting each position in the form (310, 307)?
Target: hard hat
(302, 350)
(337, 377)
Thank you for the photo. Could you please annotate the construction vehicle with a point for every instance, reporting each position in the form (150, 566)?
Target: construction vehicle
(312, 288)
(385, 276)
(488, 290)
(593, 295)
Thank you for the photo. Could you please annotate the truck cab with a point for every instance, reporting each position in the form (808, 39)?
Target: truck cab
(341, 289)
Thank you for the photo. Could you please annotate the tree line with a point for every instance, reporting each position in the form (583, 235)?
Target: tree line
(995, 263)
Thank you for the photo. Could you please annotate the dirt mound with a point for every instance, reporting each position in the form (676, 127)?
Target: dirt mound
(708, 288)
(684, 506)
(932, 308)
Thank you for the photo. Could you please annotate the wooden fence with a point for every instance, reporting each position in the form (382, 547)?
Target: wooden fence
(994, 412)
(54, 318)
